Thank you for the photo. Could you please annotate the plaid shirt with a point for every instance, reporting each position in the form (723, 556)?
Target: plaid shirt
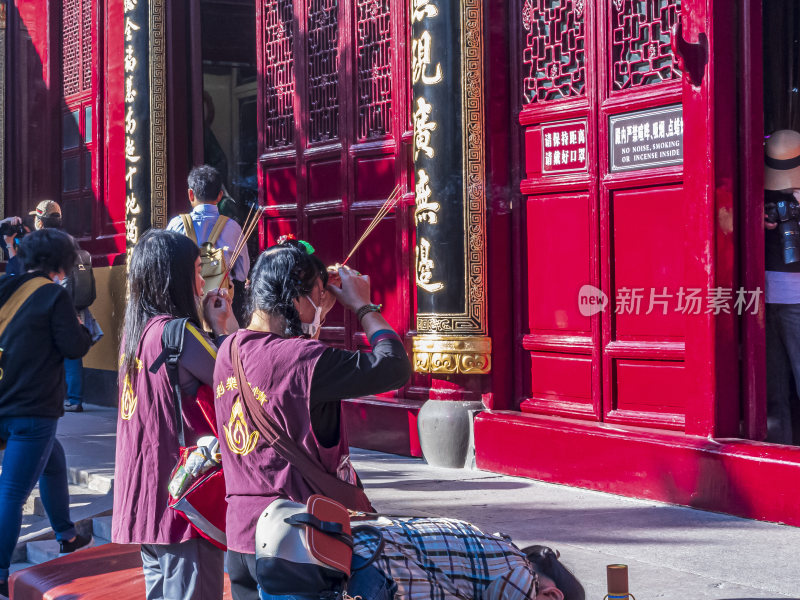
(447, 559)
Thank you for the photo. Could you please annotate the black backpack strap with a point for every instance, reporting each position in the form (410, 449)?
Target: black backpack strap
(172, 344)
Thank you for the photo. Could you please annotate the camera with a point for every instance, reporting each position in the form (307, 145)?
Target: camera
(9, 229)
(786, 213)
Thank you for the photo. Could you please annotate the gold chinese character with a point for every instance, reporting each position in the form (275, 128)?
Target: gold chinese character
(130, 27)
(421, 60)
(421, 9)
(425, 268)
(130, 122)
(129, 175)
(130, 150)
(220, 390)
(260, 395)
(129, 5)
(425, 211)
(131, 231)
(130, 93)
(132, 205)
(130, 59)
(231, 384)
(423, 128)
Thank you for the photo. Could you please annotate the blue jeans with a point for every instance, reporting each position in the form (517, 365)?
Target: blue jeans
(32, 453)
(783, 372)
(73, 370)
(369, 583)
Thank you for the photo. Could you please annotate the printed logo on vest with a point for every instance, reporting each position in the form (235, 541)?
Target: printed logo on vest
(128, 401)
(238, 436)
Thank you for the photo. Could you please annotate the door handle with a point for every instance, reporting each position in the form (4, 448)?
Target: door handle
(691, 57)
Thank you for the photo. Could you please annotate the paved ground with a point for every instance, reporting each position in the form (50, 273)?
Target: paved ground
(673, 553)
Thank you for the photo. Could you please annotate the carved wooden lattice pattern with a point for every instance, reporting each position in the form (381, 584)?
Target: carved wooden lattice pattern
(374, 47)
(555, 49)
(279, 79)
(71, 46)
(323, 70)
(76, 46)
(640, 32)
(86, 37)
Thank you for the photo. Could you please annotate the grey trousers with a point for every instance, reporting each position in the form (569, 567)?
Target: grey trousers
(190, 570)
(783, 371)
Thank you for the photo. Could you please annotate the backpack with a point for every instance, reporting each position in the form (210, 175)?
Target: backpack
(80, 284)
(203, 504)
(212, 259)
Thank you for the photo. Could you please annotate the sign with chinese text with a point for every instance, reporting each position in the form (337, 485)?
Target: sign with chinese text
(564, 147)
(646, 139)
(137, 120)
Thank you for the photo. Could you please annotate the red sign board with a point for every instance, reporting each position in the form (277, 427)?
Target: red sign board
(564, 147)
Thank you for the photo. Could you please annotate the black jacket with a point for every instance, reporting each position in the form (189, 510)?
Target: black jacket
(41, 335)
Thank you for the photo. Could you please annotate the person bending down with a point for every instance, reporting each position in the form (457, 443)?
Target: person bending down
(448, 559)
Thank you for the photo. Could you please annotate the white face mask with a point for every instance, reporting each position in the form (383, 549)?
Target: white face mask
(312, 328)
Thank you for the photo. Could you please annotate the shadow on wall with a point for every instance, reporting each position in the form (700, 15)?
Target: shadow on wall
(52, 127)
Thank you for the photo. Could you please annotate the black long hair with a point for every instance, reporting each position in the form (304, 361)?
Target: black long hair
(282, 274)
(161, 276)
(545, 562)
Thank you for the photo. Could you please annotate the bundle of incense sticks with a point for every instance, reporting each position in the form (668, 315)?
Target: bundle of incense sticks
(390, 203)
(249, 226)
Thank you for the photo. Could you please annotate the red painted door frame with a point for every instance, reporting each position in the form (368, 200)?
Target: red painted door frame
(712, 342)
(722, 178)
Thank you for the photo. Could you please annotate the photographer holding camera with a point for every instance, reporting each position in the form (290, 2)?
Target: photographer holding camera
(80, 286)
(46, 216)
(782, 278)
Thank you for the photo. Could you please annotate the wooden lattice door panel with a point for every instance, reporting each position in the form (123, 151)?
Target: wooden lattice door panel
(614, 231)
(644, 374)
(79, 185)
(330, 139)
(560, 353)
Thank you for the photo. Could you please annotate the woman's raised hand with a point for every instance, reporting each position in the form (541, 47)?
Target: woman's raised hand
(217, 310)
(354, 290)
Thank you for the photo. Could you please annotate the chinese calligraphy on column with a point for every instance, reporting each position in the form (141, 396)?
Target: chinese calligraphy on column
(132, 157)
(425, 72)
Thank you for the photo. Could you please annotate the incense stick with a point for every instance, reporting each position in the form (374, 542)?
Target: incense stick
(249, 226)
(390, 203)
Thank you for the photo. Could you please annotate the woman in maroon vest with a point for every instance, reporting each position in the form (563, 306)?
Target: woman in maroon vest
(164, 283)
(299, 382)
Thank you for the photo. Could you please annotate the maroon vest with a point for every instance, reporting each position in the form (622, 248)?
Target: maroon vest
(279, 371)
(147, 449)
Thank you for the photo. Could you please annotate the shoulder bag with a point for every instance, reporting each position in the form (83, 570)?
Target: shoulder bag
(318, 479)
(199, 498)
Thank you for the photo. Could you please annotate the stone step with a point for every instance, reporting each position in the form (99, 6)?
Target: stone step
(36, 528)
(40, 551)
(44, 550)
(101, 481)
(101, 527)
(78, 496)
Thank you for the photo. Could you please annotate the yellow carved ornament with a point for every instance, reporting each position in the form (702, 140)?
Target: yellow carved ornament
(238, 436)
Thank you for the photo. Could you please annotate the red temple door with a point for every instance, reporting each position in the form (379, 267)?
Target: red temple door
(333, 100)
(618, 225)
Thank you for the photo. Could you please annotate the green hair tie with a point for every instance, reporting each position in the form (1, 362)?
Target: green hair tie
(309, 248)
